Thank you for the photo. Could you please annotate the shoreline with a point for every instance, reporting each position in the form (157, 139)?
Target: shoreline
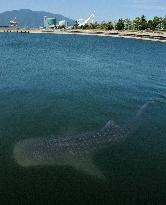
(149, 36)
(139, 35)
(160, 37)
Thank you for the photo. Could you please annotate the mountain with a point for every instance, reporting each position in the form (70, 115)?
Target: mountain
(29, 18)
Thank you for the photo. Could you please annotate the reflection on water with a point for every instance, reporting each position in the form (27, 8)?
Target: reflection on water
(67, 85)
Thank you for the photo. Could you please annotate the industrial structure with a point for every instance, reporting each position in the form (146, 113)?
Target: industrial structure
(13, 23)
(52, 23)
(49, 22)
(62, 23)
(82, 22)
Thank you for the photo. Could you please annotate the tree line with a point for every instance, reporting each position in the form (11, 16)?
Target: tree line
(139, 23)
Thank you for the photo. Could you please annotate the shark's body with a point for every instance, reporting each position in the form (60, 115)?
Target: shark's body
(73, 151)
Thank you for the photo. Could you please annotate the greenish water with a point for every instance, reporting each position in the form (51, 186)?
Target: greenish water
(69, 84)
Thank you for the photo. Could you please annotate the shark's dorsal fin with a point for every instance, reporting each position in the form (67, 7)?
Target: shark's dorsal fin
(110, 124)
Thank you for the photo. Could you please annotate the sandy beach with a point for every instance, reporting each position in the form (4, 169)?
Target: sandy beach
(142, 35)
(151, 36)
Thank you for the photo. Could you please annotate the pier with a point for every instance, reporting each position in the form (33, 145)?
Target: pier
(14, 31)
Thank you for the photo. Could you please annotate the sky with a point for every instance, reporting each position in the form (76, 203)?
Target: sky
(80, 9)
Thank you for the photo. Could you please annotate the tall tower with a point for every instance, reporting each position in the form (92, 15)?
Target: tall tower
(45, 21)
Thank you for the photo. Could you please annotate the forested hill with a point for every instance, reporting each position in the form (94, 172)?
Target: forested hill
(29, 18)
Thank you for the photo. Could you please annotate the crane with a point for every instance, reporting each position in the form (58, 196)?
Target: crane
(87, 20)
(13, 23)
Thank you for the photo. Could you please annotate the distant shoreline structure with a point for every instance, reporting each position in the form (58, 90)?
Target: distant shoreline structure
(141, 35)
(140, 28)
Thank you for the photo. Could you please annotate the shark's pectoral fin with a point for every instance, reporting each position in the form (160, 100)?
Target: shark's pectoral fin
(87, 165)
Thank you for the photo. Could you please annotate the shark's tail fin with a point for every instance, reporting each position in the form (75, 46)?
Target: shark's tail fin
(111, 127)
(143, 109)
(139, 118)
(135, 123)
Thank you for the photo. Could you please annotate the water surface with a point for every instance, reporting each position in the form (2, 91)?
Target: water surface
(71, 84)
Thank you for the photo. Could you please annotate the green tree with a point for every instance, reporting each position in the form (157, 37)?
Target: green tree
(151, 25)
(93, 25)
(86, 26)
(120, 24)
(90, 26)
(137, 23)
(140, 23)
(163, 23)
(110, 26)
(155, 24)
(128, 24)
(106, 26)
(76, 25)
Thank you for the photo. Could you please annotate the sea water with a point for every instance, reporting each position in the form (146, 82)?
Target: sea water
(72, 84)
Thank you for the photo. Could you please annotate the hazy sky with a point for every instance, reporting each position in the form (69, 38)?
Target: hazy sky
(105, 9)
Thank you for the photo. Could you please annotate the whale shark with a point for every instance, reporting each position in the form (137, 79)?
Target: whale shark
(76, 151)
